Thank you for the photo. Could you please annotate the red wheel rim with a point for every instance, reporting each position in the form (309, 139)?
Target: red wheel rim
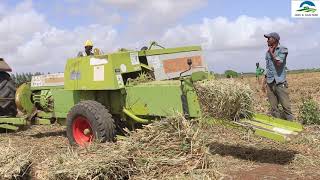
(82, 131)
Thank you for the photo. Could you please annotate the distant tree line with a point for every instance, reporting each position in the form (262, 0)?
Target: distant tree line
(295, 71)
(227, 74)
(233, 74)
(20, 78)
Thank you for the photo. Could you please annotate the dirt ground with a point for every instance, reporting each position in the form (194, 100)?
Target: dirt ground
(230, 153)
(301, 86)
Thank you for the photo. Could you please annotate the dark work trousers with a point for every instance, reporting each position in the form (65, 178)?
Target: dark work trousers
(278, 93)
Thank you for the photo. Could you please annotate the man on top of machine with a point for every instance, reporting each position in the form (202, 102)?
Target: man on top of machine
(88, 46)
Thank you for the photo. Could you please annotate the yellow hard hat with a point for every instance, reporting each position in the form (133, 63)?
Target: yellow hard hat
(88, 43)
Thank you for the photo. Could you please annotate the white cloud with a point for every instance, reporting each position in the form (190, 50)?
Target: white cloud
(239, 43)
(29, 43)
(50, 49)
(17, 27)
(151, 17)
(183, 35)
(244, 32)
(221, 34)
(139, 20)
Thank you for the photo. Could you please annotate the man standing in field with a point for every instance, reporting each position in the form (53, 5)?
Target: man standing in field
(275, 78)
(259, 72)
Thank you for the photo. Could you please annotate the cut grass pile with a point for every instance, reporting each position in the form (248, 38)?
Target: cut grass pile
(225, 99)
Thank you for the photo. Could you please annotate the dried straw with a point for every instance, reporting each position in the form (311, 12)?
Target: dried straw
(165, 148)
(13, 163)
(225, 99)
(98, 161)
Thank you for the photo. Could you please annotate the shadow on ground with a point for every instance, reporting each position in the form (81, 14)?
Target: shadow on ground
(272, 156)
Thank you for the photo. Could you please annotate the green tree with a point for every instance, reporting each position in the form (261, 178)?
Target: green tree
(231, 74)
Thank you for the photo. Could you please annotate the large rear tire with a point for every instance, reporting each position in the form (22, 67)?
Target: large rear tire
(7, 95)
(89, 121)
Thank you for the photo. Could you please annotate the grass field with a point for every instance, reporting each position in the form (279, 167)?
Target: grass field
(187, 150)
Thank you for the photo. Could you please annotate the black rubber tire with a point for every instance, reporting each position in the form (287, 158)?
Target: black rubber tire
(7, 90)
(101, 121)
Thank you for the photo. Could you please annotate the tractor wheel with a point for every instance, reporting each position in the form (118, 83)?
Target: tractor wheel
(7, 95)
(89, 121)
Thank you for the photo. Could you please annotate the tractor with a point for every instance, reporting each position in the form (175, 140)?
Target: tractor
(7, 91)
(100, 94)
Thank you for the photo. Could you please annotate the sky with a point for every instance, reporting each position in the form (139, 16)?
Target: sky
(40, 35)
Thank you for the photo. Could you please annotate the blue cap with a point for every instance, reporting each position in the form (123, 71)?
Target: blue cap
(273, 34)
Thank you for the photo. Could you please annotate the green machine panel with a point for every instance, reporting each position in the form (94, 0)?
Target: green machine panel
(192, 99)
(160, 98)
(100, 72)
(154, 99)
(63, 101)
(90, 73)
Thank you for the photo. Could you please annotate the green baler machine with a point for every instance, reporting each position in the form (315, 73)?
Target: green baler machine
(98, 94)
